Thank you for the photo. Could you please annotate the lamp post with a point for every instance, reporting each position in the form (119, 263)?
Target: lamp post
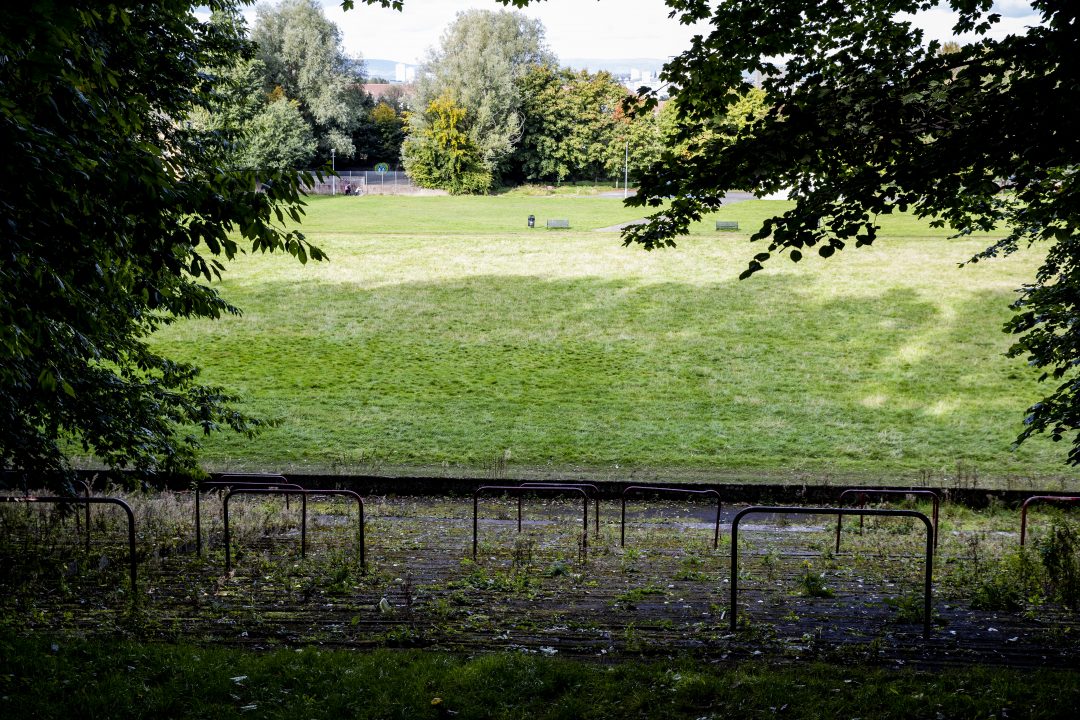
(333, 176)
(626, 172)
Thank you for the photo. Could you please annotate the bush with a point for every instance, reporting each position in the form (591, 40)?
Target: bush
(1060, 554)
(1014, 582)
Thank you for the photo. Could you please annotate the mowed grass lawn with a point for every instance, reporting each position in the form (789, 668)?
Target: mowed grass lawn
(443, 333)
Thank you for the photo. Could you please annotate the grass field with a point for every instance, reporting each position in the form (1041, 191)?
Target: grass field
(443, 334)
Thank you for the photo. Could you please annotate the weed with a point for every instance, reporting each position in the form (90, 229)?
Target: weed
(632, 639)
(636, 595)
(402, 636)
(690, 569)
(630, 558)
(557, 569)
(521, 560)
(909, 608)
(1009, 584)
(812, 584)
(770, 563)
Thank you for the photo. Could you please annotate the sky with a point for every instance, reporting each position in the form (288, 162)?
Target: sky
(575, 28)
(604, 29)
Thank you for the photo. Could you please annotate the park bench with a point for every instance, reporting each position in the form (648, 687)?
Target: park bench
(727, 225)
(558, 223)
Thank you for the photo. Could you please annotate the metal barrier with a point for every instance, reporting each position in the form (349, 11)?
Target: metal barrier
(88, 501)
(1040, 498)
(266, 484)
(587, 487)
(680, 491)
(776, 510)
(252, 479)
(862, 493)
(304, 495)
(86, 493)
(86, 513)
(519, 490)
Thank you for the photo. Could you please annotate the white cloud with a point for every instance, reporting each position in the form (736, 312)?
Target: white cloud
(1014, 8)
(937, 23)
(575, 28)
(609, 29)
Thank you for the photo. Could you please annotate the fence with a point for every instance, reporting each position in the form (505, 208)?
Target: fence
(365, 182)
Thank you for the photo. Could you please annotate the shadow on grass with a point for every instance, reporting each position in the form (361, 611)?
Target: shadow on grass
(763, 374)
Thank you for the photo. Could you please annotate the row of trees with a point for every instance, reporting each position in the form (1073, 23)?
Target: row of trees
(298, 99)
(493, 107)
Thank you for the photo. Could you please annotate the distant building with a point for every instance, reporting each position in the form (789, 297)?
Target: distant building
(654, 84)
(404, 73)
(378, 90)
(393, 94)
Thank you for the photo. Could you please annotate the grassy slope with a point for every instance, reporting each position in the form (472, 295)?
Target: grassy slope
(443, 333)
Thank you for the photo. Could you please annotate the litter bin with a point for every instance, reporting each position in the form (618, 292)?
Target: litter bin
(532, 221)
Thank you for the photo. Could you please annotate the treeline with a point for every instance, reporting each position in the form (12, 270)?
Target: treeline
(299, 99)
(491, 106)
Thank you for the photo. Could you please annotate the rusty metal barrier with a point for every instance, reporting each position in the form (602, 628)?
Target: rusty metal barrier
(777, 510)
(265, 484)
(679, 491)
(254, 479)
(1042, 499)
(88, 501)
(862, 494)
(587, 487)
(519, 490)
(304, 495)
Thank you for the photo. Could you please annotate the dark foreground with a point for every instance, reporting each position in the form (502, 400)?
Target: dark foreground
(64, 677)
(541, 624)
(664, 592)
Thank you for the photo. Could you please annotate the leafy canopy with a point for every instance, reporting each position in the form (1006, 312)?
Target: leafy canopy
(302, 54)
(118, 212)
(865, 118)
(571, 123)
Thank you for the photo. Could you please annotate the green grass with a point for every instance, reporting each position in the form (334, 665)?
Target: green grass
(443, 332)
(62, 677)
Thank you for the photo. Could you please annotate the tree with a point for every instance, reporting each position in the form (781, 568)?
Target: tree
(442, 155)
(302, 52)
(118, 212)
(272, 134)
(865, 118)
(481, 55)
(571, 123)
(390, 131)
(277, 139)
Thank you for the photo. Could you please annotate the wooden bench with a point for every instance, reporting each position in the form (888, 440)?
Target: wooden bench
(558, 223)
(727, 225)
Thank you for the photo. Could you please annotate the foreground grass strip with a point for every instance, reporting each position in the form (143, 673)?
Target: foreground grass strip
(60, 677)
